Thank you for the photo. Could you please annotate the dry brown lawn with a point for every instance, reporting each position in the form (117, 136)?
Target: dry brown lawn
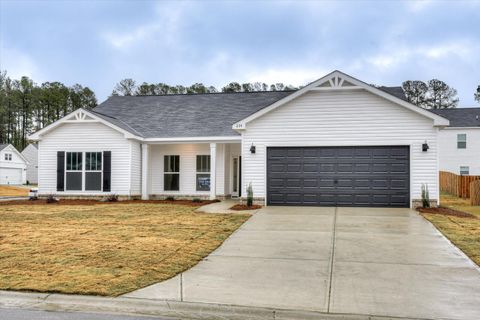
(464, 232)
(9, 191)
(104, 249)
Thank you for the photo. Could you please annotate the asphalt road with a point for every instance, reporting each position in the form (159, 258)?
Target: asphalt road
(20, 314)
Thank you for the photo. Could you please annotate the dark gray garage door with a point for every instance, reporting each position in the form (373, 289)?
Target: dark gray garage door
(339, 176)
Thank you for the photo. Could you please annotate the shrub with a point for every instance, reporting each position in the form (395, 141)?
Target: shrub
(425, 196)
(196, 200)
(249, 195)
(112, 198)
(51, 199)
(170, 198)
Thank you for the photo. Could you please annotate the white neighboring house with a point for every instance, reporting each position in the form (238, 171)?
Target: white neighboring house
(336, 142)
(13, 166)
(460, 142)
(31, 154)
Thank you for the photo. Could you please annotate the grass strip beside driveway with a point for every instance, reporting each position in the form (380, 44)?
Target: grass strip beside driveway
(464, 232)
(10, 191)
(104, 249)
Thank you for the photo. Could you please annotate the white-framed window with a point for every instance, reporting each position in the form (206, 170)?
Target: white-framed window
(464, 170)
(203, 173)
(461, 141)
(73, 171)
(171, 173)
(8, 156)
(93, 171)
(83, 171)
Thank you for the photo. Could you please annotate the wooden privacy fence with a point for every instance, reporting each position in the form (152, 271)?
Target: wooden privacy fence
(475, 193)
(455, 184)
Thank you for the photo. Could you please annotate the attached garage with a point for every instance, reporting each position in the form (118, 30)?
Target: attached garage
(11, 176)
(341, 142)
(376, 176)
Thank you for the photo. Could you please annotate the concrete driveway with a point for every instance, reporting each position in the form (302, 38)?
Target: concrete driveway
(384, 262)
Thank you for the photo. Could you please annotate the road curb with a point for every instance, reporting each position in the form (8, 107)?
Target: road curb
(164, 308)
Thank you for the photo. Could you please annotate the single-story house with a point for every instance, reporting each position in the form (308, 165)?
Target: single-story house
(31, 154)
(13, 166)
(460, 142)
(335, 142)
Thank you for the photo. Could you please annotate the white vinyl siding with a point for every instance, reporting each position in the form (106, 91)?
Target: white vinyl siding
(81, 137)
(341, 118)
(188, 167)
(31, 154)
(451, 158)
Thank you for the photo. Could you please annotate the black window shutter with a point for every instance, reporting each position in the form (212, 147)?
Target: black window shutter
(107, 170)
(60, 170)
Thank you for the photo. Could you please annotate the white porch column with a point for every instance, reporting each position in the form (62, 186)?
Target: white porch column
(145, 154)
(213, 171)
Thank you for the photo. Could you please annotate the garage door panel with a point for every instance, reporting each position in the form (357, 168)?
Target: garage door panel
(11, 176)
(345, 168)
(399, 168)
(310, 167)
(310, 183)
(294, 167)
(343, 176)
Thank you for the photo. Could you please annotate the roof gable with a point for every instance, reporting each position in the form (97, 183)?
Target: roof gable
(338, 80)
(11, 148)
(84, 116)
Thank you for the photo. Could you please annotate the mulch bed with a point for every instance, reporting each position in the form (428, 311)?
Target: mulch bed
(240, 207)
(447, 212)
(95, 202)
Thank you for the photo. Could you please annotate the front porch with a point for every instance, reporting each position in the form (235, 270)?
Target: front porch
(206, 170)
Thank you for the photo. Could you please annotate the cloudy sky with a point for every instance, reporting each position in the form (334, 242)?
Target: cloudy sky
(97, 43)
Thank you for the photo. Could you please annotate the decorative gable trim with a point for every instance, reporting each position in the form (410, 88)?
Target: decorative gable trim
(80, 116)
(338, 80)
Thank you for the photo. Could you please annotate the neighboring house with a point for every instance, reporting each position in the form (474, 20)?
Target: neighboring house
(12, 165)
(31, 154)
(336, 142)
(460, 142)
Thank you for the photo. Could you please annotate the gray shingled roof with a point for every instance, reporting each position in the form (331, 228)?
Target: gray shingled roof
(395, 91)
(460, 117)
(189, 115)
(3, 146)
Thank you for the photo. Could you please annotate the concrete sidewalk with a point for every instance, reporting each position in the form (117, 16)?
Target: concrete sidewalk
(223, 207)
(364, 261)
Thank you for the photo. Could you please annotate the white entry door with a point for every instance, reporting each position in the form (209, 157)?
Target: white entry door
(10, 176)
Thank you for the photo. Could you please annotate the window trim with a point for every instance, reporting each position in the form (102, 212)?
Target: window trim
(209, 172)
(464, 141)
(8, 156)
(467, 170)
(83, 170)
(171, 172)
